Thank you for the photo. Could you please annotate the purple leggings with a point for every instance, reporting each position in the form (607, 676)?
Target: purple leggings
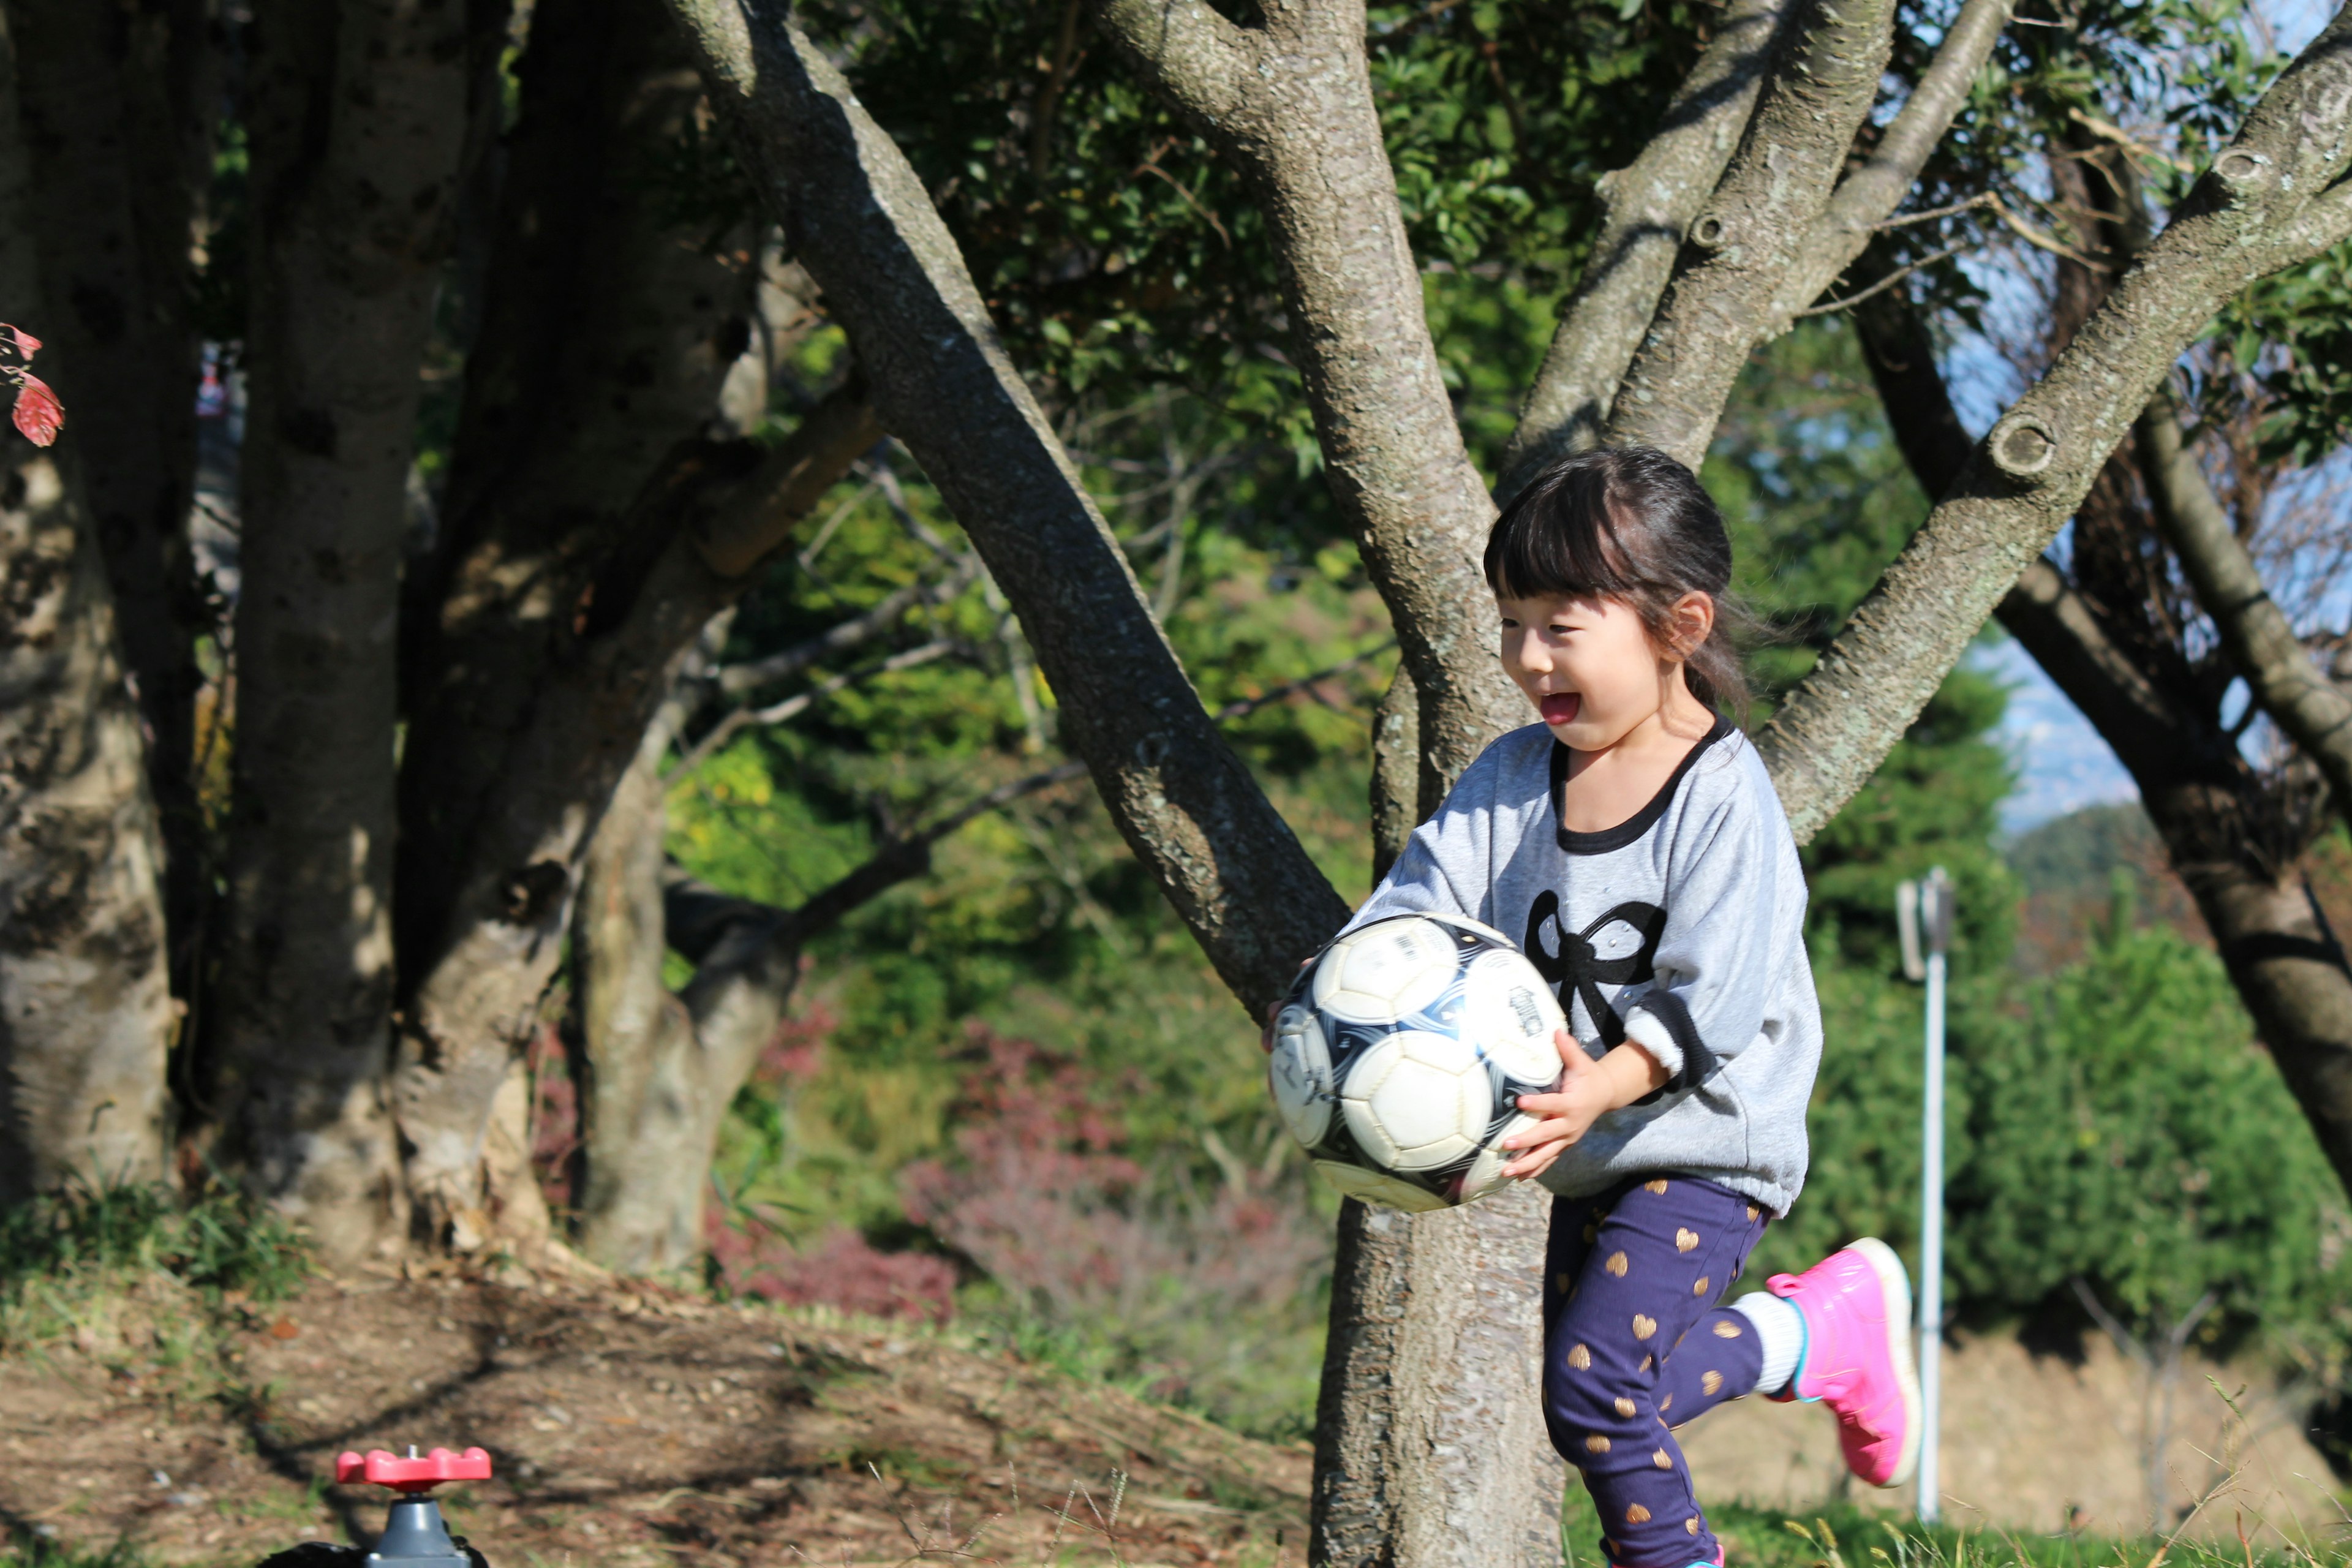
(1630, 1275)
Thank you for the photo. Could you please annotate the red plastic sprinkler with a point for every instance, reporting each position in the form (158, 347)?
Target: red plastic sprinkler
(413, 1535)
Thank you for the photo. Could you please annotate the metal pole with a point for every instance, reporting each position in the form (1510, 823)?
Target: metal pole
(1936, 910)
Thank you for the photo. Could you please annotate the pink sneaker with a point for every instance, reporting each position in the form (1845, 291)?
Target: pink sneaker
(1856, 1304)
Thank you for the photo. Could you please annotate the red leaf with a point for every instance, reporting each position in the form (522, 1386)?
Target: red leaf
(26, 344)
(38, 412)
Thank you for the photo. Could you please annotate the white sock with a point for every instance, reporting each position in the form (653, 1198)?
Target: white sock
(1781, 1332)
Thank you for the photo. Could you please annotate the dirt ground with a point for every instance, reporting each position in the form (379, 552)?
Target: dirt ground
(627, 1426)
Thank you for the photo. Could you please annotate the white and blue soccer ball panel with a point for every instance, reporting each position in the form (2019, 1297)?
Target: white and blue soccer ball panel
(1509, 1012)
(1401, 1053)
(1418, 1102)
(1298, 1071)
(1385, 972)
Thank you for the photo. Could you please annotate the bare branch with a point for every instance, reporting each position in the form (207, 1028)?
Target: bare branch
(2260, 208)
(1248, 705)
(1649, 205)
(736, 679)
(792, 707)
(860, 223)
(2315, 712)
(1289, 101)
(1832, 307)
(1725, 294)
(1890, 169)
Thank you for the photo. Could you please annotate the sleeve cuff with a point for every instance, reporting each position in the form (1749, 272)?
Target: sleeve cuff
(1647, 1030)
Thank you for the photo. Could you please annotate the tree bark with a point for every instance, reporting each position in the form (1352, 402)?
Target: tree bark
(644, 1088)
(359, 109)
(608, 324)
(859, 221)
(1290, 101)
(117, 121)
(85, 1013)
(2270, 200)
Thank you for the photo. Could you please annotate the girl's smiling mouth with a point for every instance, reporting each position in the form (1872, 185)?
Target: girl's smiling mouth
(1559, 707)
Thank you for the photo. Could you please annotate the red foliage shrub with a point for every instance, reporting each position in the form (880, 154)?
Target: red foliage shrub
(1044, 1201)
(841, 1270)
(554, 1118)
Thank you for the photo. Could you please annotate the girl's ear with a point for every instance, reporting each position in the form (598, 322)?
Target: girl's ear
(1693, 619)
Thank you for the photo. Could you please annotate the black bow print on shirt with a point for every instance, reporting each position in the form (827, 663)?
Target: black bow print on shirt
(1579, 972)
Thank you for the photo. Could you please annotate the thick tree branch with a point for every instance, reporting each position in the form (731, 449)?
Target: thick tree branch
(1864, 197)
(2315, 712)
(1649, 205)
(1741, 246)
(1289, 101)
(861, 223)
(2256, 211)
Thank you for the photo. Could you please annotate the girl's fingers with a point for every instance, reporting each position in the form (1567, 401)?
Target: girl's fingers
(1534, 1165)
(1542, 1134)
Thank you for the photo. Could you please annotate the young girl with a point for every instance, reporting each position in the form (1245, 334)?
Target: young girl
(1633, 843)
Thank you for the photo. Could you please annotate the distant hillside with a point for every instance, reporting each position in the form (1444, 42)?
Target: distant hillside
(2078, 853)
(2067, 867)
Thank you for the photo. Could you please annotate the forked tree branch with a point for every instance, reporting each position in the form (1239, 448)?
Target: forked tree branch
(1742, 245)
(1649, 205)
(860, 222)
(2266, 204)
(1864, 197)
(1289, 101)
(2315, 712)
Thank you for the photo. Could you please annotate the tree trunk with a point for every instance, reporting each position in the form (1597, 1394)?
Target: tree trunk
(643, 1095)
(359, 110)
(85, 1013)
(118, 119)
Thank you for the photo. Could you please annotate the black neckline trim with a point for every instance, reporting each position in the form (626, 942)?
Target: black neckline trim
(1602, 841)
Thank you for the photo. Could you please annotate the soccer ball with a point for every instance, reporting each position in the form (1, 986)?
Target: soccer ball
(1400, 1055)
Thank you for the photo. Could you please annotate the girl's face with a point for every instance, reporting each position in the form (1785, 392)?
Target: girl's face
(1590, 666)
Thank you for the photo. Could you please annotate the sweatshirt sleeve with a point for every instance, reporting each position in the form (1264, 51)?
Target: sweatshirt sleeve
(1447, 865)
(1717, 958)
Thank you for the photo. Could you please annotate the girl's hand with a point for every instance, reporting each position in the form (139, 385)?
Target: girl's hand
(1567, 1112)
(1588, 1090)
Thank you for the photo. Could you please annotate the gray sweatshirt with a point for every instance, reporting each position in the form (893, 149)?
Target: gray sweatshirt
(1680, 929)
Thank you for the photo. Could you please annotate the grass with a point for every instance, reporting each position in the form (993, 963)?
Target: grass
(64, 1255)
(1839, 1535)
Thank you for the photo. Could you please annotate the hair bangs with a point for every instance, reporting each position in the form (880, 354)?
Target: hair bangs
(1557, 539)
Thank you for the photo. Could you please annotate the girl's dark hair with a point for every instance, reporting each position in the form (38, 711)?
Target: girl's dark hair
(1628, 523)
